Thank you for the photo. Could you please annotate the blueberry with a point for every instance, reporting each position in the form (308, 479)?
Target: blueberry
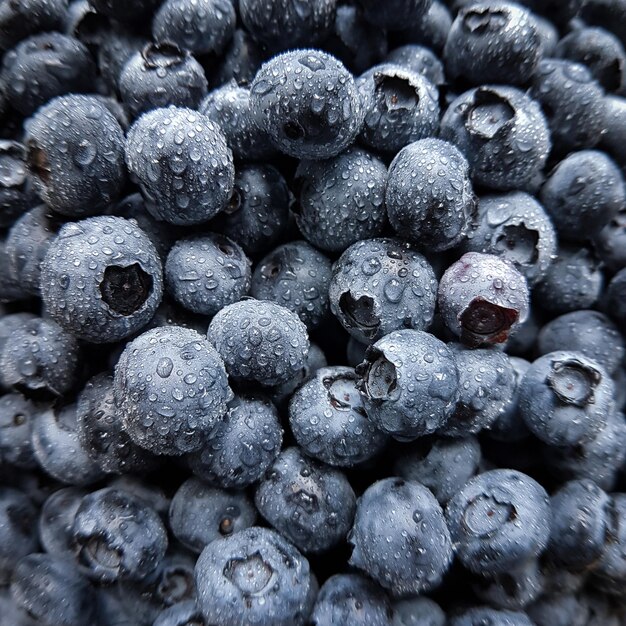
(16, 419)
(515, 227)
(282, 24)
(259, 341)
(123, 10)
(59, 450)
(419, 60)
(40, 359)
(572, 102)
(308, 103)
(341, 200)
(354, 41)
(180, 614)
(486, 387)
(229, 107)
(254, 576)
(242, 446)
(401, 106)
(17, 194)
(614, 139)
(200, 514)
(419, 611)
(601, 51)
(562, 609)
(431, 30)
(10, 323)
(580, 514)
(395, 14)
(499, 519)
(329, 422)
(583, 193)
(10, 289)
(400, 537)
(409, 384)
(76, 155)
(117, 537)
(149, 493)
(589, 332)
(350, 600)
(206, 273)
(565, 398)
(484, 615)
(18, 531)
(159, 75)
(548, 34)
(288, 497)
(27, 243)
(608, 14)
(173, 149)
(442, 464)
(616, 297)
(573, 281)
(115, 50)
(31, 71)
(101, 432)
(104, 297)
(53, 592)
(610, 242)
(56, 520)
(502, 132)
(202, 27)
(257, 214)
(12, 614)
(493, 42)
(429, 195)
(482, 298)
(610, 570)
(296, 276)
(171, 389)
(240, 61)
(20, 19)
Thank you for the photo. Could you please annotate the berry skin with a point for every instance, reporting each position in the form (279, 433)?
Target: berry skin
(159, 75)
(589, 332)
(58, 449)
(76, 155)
(429, 195)
(200, 514)
(53, 592)
(206, 273)
(229, 107)
(580, 523)
(56, 520)
(493, 42)
(115, 50)
(296, 276)
(18, 20)
(610, 571)
(39, 359)
(486, 387)
(583, 193)
(572, 102)
(401, 106)
(400, 537)
(180, 614)
(482, 298)
(282, 24)
(431, 31)
(395, 14)
(616, 297)
(256, 577)
(10, 289)
(101, 433)
(31, 71)
(418, 611)
(485, 615)
(17, 194)
(613, 140)
(328, 420)
(573, 281)
(242, 446)
(117, 536)
(259, 341)
(174, 149)
(442, 464)
(105, 297)
(419, 60)
(610, 243)
(382, 285)
(257, 214)
(241, 60)
(515, 227)
(497, 520)
(409, 383)
(565, 398)
(17, 414)
(308, 103)
(171, 389)
(351, 600)
(502, 132)
(288, 497)
(202, 27)
(341, 200)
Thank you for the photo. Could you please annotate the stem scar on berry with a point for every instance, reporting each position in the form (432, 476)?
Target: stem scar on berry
(125, 289)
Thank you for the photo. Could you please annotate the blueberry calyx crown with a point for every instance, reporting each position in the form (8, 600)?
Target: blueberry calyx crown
(125, 289)
(395, 92)
(360, 313)
(485, 19)
(574, 382)
(162, 55)
(489, 114)
(252, 575)
(485, 322)
(378, 377)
